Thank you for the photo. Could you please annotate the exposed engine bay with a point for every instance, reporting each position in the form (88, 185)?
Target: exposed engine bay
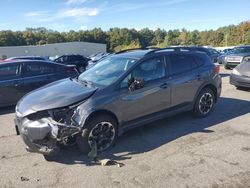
(46, 131)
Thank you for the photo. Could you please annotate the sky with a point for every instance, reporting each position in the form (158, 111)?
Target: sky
(65, 15)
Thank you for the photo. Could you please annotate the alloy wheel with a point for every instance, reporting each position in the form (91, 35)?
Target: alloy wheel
(206, 103)
(103, 134)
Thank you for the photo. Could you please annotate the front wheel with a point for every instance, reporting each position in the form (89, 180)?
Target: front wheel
(204, 103)
(100, 130)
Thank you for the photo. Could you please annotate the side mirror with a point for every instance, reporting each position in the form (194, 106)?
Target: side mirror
(135, 83)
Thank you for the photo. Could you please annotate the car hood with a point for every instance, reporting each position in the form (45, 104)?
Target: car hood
(244, 69)
(58, 94)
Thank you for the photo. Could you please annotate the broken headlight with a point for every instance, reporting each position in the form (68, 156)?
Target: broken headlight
(62, 115)
(79, 115)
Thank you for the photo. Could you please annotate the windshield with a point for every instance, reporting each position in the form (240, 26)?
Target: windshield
(107, 70)
(241, 50)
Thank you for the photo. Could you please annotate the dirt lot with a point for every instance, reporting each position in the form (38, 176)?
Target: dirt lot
(181, 151)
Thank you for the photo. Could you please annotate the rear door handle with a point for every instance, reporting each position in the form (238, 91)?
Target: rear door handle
(198, 76)
(16, 83)
(164, 86)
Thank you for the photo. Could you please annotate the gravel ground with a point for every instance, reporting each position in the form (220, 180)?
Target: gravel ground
(181, 151)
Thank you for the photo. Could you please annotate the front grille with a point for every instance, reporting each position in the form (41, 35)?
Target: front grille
(234, 59)
(233, 63)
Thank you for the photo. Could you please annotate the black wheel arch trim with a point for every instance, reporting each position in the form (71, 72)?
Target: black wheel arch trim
(210, 85)
(101, 112)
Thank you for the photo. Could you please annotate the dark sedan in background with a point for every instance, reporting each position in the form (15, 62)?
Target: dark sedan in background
(19, 77)
(40, 58)
(79, 61)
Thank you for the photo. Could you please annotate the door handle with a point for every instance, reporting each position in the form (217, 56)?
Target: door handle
(16, 83)
(48, 77)
(198, 76)
(164, 86)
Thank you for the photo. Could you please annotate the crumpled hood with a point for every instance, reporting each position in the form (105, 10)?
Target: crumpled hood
(58, 94)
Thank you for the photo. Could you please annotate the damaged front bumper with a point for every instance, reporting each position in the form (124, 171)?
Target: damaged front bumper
(44, 135)
(39, 136)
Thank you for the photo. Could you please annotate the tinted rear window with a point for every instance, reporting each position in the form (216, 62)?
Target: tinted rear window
(181, 63)
(32, 69)
(202, 59)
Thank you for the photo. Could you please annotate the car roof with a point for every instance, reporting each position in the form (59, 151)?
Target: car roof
(24, 60)
(140, 53)
(135, 54)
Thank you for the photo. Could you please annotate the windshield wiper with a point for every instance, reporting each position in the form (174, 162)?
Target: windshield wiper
(85, 82)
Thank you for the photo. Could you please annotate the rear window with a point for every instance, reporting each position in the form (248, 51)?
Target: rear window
(181, 63)
(201, 60)
(8, 71)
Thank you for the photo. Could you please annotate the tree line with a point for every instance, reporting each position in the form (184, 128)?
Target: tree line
(122, 38)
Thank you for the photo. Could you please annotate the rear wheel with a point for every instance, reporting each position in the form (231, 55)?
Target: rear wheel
(242, 88)
(204, 102)
(101, 130)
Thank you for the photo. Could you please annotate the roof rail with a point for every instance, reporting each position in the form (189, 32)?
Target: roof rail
(177, 48)
(132, 49)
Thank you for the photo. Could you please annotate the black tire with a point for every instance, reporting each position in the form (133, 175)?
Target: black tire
(49, 157)
(200, 109)
(242, 88)
(82, 139)
(227, 68)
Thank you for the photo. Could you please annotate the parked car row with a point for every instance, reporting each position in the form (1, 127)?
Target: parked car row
(211, 52)
(235, 56)
(18, 77)
(79, 61)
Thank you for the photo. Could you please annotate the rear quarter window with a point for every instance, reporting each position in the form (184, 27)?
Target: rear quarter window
(181, 63)
(33, 69)
(201, 60)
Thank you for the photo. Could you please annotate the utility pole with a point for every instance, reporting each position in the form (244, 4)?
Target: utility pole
(226, 40)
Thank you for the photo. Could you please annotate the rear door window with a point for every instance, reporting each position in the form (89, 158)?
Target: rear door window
(181, 63)
(35, 69)
(9, 71)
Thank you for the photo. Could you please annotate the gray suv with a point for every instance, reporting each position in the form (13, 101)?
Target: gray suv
(123, 91)
(237, 56)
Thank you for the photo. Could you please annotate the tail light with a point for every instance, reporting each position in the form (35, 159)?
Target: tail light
(217, 69)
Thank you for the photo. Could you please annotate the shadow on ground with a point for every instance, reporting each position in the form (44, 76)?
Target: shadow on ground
(154, 135)
(224, 75)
